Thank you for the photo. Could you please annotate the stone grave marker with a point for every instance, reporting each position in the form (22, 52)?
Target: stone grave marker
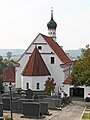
(31, 109)
(29, 94)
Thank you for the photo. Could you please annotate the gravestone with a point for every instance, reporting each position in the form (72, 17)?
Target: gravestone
(66, 100)
(58, 103)
(6, 103)
(51, 103)
(1, 109)
(31, 109)
(14, 106)
(20, 104)
(5, 95)
(29, 94)
(44, 108)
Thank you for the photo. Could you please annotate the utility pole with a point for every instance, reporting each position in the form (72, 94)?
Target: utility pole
(10, 88)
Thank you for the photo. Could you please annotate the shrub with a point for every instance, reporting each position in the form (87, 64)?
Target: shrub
(7, 117)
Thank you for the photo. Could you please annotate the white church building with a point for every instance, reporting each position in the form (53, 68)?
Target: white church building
(45, 58)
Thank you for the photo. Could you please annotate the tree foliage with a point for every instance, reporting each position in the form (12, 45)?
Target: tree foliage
(9, 62)
(2, 65)
(1, 58)
(49, 85)
(81, 70)
(5, 63)
(9, 54)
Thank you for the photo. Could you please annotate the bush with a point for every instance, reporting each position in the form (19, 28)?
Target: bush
(7, 118)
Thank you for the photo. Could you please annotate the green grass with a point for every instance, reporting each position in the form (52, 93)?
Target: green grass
(86, 116)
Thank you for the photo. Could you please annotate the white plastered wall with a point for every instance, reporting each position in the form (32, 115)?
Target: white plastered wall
(86, 91)
(33, 80)
(46, 53)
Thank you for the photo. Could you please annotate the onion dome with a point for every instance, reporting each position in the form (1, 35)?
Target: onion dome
(51, 24)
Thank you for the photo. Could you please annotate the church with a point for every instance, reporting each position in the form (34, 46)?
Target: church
(42, 59)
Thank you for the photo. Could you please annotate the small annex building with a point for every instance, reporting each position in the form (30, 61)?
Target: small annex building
(79, 91)
(8, 76)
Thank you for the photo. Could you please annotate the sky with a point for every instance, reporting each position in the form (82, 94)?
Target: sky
(22, 20)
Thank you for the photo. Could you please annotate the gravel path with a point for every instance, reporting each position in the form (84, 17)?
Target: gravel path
(72, 112)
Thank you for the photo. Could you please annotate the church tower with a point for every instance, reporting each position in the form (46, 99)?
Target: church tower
(52, 27)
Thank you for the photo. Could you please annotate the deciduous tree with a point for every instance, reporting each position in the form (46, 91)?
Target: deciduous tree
(49, 85)
(81, 70)
(9, 54)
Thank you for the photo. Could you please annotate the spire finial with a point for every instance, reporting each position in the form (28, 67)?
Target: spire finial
(51, 13)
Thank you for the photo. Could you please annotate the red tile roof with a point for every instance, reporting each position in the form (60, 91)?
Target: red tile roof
(67, 81)
(57, 49)
(9, 74)
(35, 65)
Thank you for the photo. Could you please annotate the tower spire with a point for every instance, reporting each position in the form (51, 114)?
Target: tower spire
(51, 13)
(52, 26)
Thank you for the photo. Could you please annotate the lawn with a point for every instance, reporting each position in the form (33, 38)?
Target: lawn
(86, 114)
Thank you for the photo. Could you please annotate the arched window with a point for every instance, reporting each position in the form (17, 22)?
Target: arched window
(38, 85)
(27, 85)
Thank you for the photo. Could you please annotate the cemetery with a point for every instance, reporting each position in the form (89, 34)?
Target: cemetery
(27, 104)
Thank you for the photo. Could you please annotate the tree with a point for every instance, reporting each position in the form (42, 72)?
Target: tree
(1, 58)
(9, 54)
(9, 62)
(81, 70)
(49, 85)
(2, 64)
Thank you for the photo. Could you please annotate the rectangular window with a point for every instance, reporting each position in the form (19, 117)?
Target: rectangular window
(39, 47)
(52, 60)
(37, 85)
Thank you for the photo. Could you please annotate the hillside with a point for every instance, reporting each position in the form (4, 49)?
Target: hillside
(74, 53)
(16, 53)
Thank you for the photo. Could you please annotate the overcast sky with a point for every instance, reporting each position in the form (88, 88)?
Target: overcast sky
(22, 20)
